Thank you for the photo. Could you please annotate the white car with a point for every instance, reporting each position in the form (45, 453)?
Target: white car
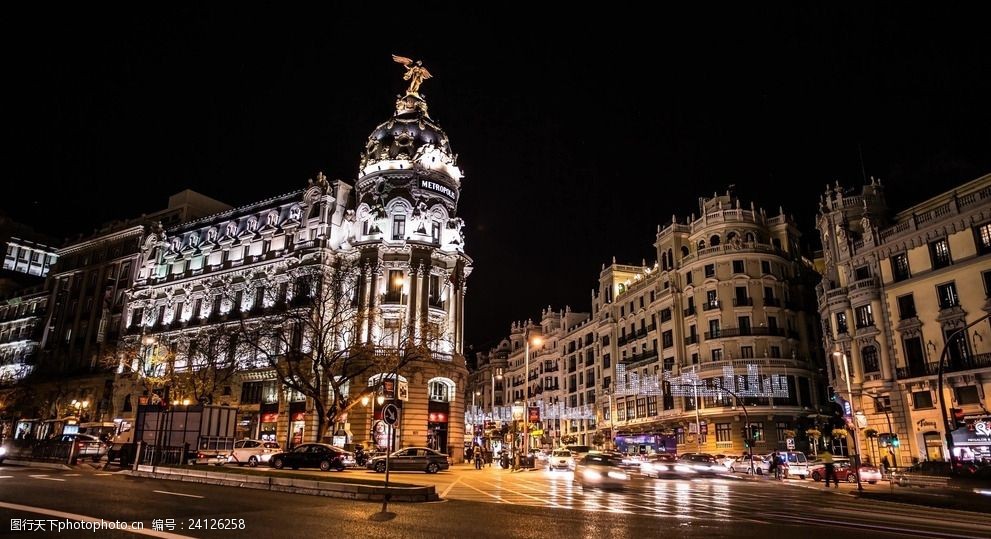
(252, 452)
(742, 465)
(561, 459)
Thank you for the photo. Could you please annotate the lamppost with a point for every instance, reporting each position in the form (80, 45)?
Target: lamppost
(474, 414)
(856, 427)
(537, 341)
(942, 404)
(79, 406)
(519, 412)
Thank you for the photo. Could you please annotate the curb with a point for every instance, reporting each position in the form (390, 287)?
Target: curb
(291, 485)
(39, 464)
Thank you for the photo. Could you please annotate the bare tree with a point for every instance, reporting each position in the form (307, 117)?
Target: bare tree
(319, 341)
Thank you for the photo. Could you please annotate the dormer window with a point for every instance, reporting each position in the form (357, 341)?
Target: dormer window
(176, 244)
(295, 213)
(194, 240)
(273, 219)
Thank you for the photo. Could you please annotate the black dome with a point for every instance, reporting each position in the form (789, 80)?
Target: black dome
(404, 134)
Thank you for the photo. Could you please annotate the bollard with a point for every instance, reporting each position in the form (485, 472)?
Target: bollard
(137, 455)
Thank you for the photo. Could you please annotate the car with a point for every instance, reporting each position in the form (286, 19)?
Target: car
(561, 459)
(87, 445)
(579, 451)
(412, 459)
(742, 465)
(3, 453)
(726, 460)
(702, 463)
(603, 470)
(795, 463)
(315, 455)
(252, 452)
(845, 472)
(659, 465)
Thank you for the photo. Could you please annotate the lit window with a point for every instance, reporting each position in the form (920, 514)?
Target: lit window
(939, 252)
(947, 294)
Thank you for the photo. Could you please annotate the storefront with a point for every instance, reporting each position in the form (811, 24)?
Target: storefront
(437, 426)
(268, 422)
(297, 423)
(645, 444)
(972, 442)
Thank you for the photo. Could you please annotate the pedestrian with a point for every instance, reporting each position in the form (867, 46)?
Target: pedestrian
(772, 466)
(884, 466)
(830, 469)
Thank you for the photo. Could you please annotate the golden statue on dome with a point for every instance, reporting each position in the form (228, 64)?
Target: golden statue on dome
(415, 73)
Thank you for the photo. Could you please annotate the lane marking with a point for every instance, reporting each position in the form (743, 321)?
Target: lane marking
(5, 476)
(46, 478)
(84, 518)
(449, 487)
(499, 498)
(867, 526)
(177, 494)
(103, 474)
(71, 475)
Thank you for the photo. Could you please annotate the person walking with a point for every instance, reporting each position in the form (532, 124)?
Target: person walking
(830, 469)
(884, 466)
(478, 458)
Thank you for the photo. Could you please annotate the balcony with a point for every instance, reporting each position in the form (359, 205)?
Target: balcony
(745, 332)
(690, 311)
(979, 361)
(710, 305)
(743, 302)
(772, 302)
(394, 298)
(691, 339)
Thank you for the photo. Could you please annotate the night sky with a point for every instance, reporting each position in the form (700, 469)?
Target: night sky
(579, 132)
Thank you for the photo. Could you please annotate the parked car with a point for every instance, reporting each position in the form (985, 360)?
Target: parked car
(726, 460)
(845, 472)
(561, 459)
(603, 470)
(795, 463)
(323, 456)
(702, 463)
(252, 452)
(742, 465)
(87, 445)
(413, 459)
(659, 465)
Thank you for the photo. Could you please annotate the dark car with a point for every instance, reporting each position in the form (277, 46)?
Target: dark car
(413, 459)
(323, 456)
(940, 474)
(700, 463)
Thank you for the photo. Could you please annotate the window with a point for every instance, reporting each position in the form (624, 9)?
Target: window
(967, 394)
(439, 391)
(776, 351)
(865, 317)
(922, 400)
(882, 404)
(983, 236)
(665, 315)
(765, 267)
(947, 295)
(987, 283)
(713, 329)
(738, 266)
(399, 227)
(780, 429)
(710, 270)
(251, 392)
(868, 356)
(861, 273)
(435, 232)
(841, 325)
(746, 352)
(717, 354)
(899, 267)
(722, 432)
(711, 300)
(667, 339)
(906, 307)
(939, 253)
(688, 278)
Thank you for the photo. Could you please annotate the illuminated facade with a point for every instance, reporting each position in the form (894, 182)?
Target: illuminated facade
(894, 291)
(729, 298)
(396, 225)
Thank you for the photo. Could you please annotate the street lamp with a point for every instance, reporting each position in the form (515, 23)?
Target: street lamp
(856, 427)
(79, 406)
(519, 412)
(474, 413)
(537, 341)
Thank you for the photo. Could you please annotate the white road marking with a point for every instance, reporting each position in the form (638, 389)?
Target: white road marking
(84, 518)
(5, 476)
(71, 475)
(103, 474)
(449, 487)
(177, 494)
(46, 478)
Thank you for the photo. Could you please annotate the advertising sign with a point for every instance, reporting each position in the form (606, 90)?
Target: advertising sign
(533, 415)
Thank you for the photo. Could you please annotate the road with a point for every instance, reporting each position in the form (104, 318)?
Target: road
(488, 503)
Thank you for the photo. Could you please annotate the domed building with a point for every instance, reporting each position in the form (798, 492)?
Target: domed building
(208, 284)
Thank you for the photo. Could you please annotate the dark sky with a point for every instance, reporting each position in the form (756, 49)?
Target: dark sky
(578, 132)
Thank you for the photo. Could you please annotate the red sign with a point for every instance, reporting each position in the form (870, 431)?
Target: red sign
(299, 416)
(534, 415)
(437, 417)
(389, 388)
(271, 417)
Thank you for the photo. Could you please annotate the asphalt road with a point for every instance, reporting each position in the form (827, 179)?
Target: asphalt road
(480, 504)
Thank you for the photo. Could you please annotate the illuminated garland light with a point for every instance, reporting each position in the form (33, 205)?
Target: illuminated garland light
(547, 411)
(752, 384)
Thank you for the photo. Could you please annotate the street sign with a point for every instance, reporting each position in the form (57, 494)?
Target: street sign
(390, 414)
(403, 390)
(790, 443)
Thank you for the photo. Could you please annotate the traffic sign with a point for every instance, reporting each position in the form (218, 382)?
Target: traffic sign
(790, 442)
(390, 414)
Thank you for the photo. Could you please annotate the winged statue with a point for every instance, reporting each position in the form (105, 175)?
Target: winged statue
(415, 73)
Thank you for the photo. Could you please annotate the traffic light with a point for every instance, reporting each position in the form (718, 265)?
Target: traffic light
(894, 441)
(831, 393)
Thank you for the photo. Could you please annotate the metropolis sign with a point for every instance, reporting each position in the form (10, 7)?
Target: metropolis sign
(438, 188)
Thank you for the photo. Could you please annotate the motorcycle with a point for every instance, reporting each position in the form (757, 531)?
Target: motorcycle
(360, 457)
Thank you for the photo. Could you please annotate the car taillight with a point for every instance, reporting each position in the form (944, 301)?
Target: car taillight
(200, 456)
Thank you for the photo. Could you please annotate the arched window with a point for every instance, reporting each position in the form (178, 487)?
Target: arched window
(701, 244)
(750, 238)
(671, 258)
(868, 356)
(731, 236)
(714, 240)
(440, 389)
(664, 261)
(684, 251)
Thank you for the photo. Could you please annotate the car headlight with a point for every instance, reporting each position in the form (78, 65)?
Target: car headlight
(592, 474)
(684, 469)
(618, 475)
(3, 450)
